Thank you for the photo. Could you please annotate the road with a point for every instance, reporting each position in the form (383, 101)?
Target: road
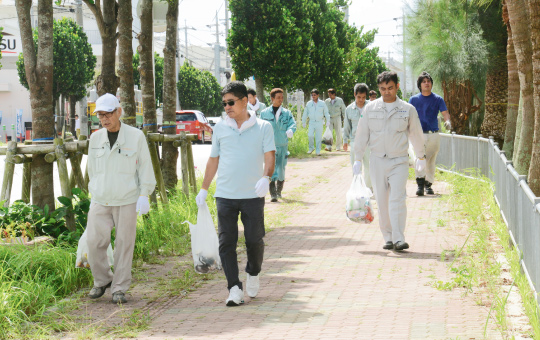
(200, 157)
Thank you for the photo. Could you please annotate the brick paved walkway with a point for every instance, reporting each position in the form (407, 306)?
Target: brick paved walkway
(327, 278)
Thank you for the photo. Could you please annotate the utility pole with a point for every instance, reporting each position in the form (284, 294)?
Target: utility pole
(82, 103)
(216, 52)
(227, 61)
(186, 28)
(404, 55)
(347, 14)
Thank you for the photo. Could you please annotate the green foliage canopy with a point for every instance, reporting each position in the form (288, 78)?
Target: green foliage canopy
(158, 75)
(199, 90)
(73, 59)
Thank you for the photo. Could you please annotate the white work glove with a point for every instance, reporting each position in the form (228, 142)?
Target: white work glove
(262, 187)
(448, 125)
(420, 164)
(289, 133)
(201, 197)
(143, 205)
(357, 167)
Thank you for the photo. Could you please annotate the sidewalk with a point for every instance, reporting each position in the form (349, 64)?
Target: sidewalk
(327, 278)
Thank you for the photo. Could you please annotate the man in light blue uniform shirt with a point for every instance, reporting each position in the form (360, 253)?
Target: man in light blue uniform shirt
(240, 145)
(315, 110)
(284, 126)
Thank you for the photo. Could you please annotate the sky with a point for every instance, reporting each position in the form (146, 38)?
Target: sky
(370, 13)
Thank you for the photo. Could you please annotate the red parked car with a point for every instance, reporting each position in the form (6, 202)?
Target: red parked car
(193, 121)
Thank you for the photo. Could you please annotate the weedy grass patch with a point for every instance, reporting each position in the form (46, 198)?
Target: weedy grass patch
(475, 263)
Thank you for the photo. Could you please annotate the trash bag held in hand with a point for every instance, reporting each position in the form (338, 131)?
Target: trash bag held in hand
(82, 253)
(204, 242)
(359, 208)
(327, 138)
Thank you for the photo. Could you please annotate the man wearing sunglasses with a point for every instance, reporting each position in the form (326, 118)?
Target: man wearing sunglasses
(243, 152)
(315, 110)
(121, 179)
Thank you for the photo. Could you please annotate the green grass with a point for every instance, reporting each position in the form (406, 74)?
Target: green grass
(299, 145)
(475, 264)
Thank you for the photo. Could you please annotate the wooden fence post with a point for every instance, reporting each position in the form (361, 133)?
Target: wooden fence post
(185, 167)
(27, 180)
(60, 152)
(8, 173)
(152, 147)
(76, 173)
(191, 167)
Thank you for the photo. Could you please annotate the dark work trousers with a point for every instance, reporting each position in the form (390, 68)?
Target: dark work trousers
(252, 215)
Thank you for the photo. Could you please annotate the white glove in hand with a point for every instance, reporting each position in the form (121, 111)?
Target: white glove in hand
(201, 197)
(262, 187)
(357, 167)
(289, 133)
(143, 205)
(420, 164)
(448, 125)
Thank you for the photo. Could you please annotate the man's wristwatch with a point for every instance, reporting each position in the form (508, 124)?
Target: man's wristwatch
(267, 177)
(422, 158)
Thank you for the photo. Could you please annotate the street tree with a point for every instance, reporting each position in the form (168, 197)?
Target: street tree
(158, 75)
(170, 153)
(199, 90)
(39, 71)
(445, 39)
(106, 14)
(73, 63)
(270, 39)
(125, 58)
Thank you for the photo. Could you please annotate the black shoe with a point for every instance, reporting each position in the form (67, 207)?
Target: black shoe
(279, 188)
(400, 245)
(429, 191)
(98, 292)
(421, 183)
(118, 297)
(388, 245)
(273, 191)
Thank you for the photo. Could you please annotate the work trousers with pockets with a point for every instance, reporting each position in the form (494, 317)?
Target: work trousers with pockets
(335, 124)
(251, 213)
(365, 163)
(281, 163)
(432, 142)
(389, 179)
(101, 220)
(315, 129)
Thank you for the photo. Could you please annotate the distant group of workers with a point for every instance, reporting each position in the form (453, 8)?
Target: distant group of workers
(249, 150)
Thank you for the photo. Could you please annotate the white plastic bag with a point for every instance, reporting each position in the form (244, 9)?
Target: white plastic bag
(327, 137)
(358, 208)
(82, 253)
(204, 242)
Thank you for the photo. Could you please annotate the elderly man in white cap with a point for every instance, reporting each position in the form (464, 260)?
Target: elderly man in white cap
(121, 179)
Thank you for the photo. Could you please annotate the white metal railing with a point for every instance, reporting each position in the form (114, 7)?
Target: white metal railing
(519, 207)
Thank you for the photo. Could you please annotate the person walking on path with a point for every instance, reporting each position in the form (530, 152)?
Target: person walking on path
(372, 95)
(428, 105)
(385, 127)
(284, 127)
(240, 145)
(353, 113)
(315, 110)
(254, 104)
(77, 126)
(336, 110)
(121, 179)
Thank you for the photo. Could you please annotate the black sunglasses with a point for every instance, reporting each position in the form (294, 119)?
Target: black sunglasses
(230, 102)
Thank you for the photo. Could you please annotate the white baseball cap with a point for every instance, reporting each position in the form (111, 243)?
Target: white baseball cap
(107, 103)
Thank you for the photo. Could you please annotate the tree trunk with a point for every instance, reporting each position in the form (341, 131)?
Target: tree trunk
(459, 101)
(260, 89)
(146, 67)
(496, 99)
(534, 168)
(285, 99)
(39, 74)
(519, 21)
(107, 81)
(170, 153)
(72, 105)
(307, 96)
(519, 120)
(513, 90)
(125, 67)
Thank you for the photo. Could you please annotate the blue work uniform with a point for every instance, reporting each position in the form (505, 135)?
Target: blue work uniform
(285, 122)
(316, 112)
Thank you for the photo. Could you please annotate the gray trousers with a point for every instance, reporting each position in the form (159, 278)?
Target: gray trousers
(335, 123)
(432, 142)
(101, 220)
(389, 179)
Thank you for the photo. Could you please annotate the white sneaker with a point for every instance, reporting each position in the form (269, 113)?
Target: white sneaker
(252, 285)
(236, 297)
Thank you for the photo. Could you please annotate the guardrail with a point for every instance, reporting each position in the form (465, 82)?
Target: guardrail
(519, 207)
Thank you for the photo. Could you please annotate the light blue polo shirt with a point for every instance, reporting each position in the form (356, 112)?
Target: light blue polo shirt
(241, 158)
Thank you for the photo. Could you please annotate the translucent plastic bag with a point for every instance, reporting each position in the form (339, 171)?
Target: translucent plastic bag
(204, 242)
(327, 137)
(82, 253)
(359, 208)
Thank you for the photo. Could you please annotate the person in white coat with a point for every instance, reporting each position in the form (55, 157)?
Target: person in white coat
(121, 179)
(316, 110)
(336, 110)
(386, 126)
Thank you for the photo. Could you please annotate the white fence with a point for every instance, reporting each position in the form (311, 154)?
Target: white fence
(519, 207)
